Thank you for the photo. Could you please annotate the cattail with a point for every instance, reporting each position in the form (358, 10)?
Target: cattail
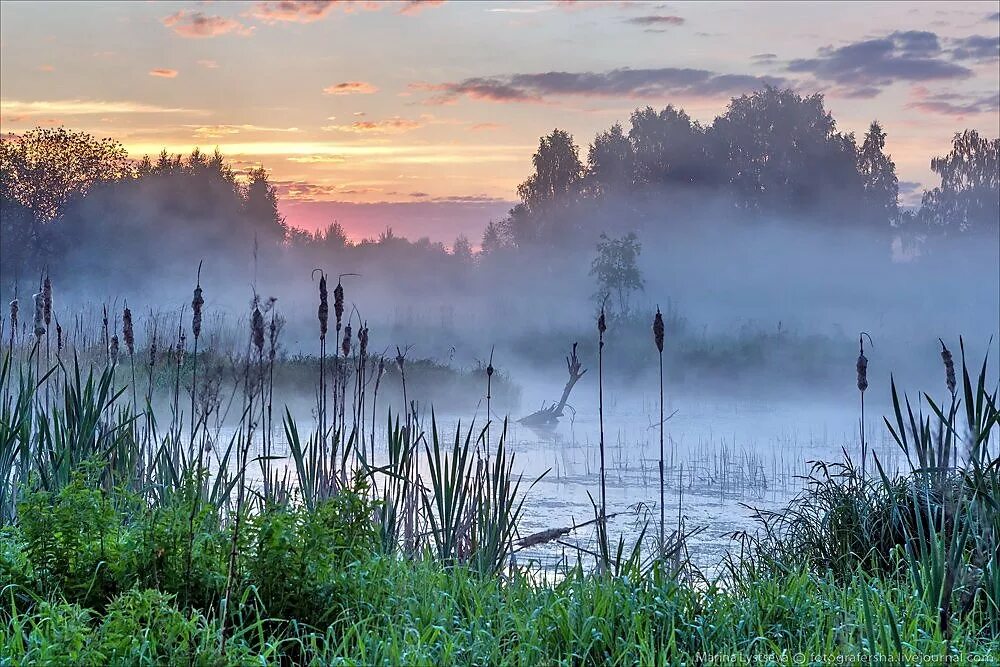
(345, 347)
(39, 314)
(14, 308)
(338, 303)
(152, 351)
(47, 299)
(363, 340)
(272, 336)
(658, 330)
(59, 337)
(180, 350)
(324, 307)
(114, 349)
(257, 330)
(128, 332)
(601, 324)
(196, 303)
(862, 370)
(949, 367)
(400, 359)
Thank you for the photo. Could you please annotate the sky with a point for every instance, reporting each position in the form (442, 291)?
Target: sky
(423, 116)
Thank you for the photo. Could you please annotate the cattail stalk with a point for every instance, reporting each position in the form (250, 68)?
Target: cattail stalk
(658, 341)
(197, 301)
(601, 328)
(862, 368)
(47, 317)
(128, 333)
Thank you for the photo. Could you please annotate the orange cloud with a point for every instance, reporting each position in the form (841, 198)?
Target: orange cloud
(163, 73)
(350, 87)
(481, 127)
(395, 125)
(194, 24)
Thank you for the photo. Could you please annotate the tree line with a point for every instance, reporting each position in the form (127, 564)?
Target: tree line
(68, 198)
(772, 154)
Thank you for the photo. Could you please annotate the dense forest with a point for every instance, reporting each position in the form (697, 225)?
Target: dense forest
(79, 203)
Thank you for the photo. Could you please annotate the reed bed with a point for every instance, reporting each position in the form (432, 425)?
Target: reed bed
(127, 539)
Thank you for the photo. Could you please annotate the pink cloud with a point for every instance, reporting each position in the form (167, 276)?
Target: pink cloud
(350, 87)
(194, 24)
(308, 11)
(163, 73)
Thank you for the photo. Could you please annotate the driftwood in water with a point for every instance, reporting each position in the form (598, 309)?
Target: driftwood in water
(544, 536)
(550, 416)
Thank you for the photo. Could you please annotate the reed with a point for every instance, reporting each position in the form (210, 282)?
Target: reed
(862, 369)
(602, 515)
(658, 341)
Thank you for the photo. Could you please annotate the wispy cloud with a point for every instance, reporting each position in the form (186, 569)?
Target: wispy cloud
(656, 20)
(350, 88)
(485, 127)
(209, 64)
(164, 73)
(394, 125)
(194, 24)
(309, 11)
(953, 104)
(624, 82)
(84, 108)
(217, 131)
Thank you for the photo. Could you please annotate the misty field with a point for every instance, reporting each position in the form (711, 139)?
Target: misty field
(162, 505)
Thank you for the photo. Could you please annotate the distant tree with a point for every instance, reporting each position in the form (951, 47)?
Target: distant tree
(557, 175)
(878, 174)
(44, 169)
(610, 163)
(333, 237)
(261, 206)
(669, 148)
(617, 270)
(783, 156)
(495, 238)
(968, 198)
(461, 249)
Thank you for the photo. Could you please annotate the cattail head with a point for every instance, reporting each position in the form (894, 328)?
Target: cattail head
(113, 349)
(47, 299)
(272, 335)
(658, 330)
(128, 332)
(338, 303)
(400, 359)
(949, 367)
(602, 325)
(862, 367)
(363, 340)
(196, 303)
(39, 315)
(345, 347)
(152, 350)
(257, 330)
(180, 349)
(59, 338)
(324, 307)
(14, 308)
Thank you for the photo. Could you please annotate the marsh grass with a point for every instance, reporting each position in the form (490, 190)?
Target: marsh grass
(119, 546)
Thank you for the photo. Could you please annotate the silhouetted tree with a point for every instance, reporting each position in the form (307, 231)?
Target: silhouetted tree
(783, 156)
(617, 270)
(968, 198)
(461, 249)
(610, 163)
(669, 148)
(261, 207)
(45, 168)
(878, 174)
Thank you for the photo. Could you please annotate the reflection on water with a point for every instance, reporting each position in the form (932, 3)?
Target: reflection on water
(722, 459)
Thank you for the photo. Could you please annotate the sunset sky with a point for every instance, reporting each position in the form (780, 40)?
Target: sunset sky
(424, 115)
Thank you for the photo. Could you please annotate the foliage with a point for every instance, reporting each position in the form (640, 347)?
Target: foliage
(616, 269)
